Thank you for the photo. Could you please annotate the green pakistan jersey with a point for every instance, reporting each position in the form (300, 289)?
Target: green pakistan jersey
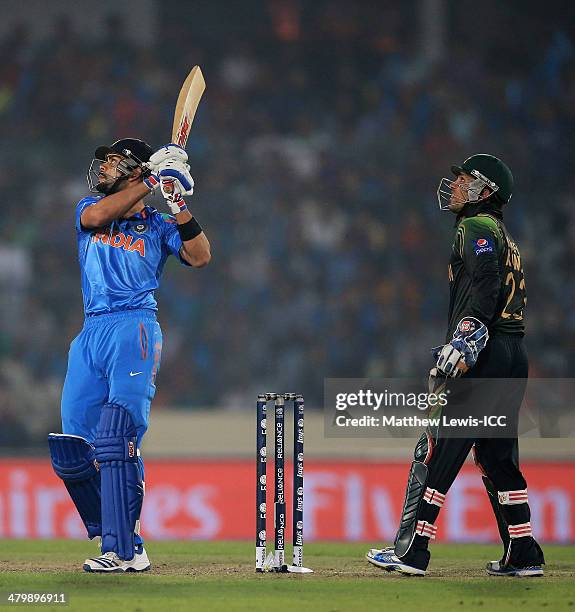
(486, 278)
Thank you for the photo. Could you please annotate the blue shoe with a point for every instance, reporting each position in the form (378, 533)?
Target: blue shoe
(495, 568)
(386, 559)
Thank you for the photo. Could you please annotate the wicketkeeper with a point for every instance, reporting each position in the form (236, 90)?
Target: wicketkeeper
(484, 341)
(123, 245)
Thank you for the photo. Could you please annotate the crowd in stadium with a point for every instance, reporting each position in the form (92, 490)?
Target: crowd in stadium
(316, 156)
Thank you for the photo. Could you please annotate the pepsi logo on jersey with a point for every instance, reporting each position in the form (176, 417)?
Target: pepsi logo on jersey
(482, 245)
(119, 240)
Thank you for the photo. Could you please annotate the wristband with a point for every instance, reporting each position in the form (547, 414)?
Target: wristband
(189, 230)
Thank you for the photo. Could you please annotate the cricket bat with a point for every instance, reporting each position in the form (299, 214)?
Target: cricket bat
(186, 106)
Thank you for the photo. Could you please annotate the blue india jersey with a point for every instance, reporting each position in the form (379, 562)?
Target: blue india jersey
(121, 264)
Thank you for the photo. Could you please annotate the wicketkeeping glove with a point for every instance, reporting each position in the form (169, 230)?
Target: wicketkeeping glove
(470, 337)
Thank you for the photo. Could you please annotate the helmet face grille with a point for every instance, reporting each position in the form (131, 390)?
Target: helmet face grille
(473, 189)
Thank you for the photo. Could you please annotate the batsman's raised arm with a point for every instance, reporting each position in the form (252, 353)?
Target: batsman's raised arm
(113, 206)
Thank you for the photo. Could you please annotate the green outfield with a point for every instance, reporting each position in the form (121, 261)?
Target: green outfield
(220, 576)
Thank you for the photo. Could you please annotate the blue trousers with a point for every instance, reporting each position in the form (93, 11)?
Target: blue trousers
(114, 359)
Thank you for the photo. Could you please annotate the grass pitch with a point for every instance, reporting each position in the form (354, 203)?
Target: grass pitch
(220, 576)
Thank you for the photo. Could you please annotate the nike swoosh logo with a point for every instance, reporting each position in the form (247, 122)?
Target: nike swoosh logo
(135, 373)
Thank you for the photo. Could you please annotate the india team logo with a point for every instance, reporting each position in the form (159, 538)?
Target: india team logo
(140, 228)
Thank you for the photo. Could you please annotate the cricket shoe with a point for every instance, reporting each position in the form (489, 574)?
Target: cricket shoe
(110, 563)
(496, 568)
(386, 559)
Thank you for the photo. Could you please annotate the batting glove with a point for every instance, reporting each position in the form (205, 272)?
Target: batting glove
(169, 151)
(174, 199)
(152, 182)
(177, 172)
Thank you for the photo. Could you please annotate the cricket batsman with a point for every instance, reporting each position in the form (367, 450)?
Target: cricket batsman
(123, 245)
(484, 341)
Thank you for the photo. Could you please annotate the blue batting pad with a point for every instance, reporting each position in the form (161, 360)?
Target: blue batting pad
(74, 461)
(122, 486)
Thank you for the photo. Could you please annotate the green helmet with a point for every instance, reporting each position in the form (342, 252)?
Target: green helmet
(492, 171)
